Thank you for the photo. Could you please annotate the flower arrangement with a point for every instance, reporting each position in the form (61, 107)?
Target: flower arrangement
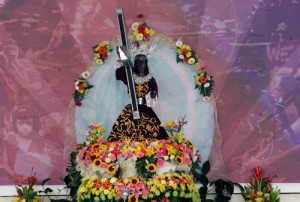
(82, 87)
(260, 189)
(204, 83)
(141, 31)
(102, 52)
(26, 193)
(165, 187)
(185, 54)
(145, 168)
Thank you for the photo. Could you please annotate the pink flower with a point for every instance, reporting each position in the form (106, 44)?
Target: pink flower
(140, 154)
(145, 192)
(103, 164)
(113, 157)
(186, 160)
(88, 159)
(160, 162)
(78, 103)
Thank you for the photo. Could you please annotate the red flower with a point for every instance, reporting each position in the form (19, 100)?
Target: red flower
(165, 200)
(142, 29)
(105, 56)
(102, 50)
(19, 179)
(81, 86)
(202, 68)
(140, 16)
(257, 171)
(146, 37)
(78, 103)
(31, 180)
(183, 51)
(185, 60)
(203, 79)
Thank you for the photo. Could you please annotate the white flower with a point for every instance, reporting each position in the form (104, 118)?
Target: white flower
(85, 74)
(179, 43)
(107, 160)
(135, 26)
(206, 85)
(166, 158)
(113, 180)
(172, 157)
(181, 57)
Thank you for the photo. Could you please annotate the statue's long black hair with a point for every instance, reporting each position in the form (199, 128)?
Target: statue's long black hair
(138, 60)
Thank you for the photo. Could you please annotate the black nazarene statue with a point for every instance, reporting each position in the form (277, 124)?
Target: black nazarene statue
(148, 126)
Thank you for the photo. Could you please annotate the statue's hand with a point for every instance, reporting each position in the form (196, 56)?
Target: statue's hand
(153, 94)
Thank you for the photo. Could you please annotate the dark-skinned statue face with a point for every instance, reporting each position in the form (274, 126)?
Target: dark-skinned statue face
(140, 65)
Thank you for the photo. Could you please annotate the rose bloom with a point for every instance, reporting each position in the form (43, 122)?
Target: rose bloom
(135, 26)
(185, 60)
(160, 162)
(186, 160)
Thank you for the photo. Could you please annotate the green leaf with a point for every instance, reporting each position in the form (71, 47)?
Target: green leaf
(205, 167)
(45, 181)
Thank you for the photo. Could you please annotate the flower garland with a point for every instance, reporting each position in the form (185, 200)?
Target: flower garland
(102, 52)
(82, 87)
(260, 189)
(204, 83)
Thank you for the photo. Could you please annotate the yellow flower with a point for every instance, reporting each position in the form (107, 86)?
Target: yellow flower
(134, 180)
(179, 160)
(187, 47)
(147, 30)
(97, 163)
(267, 195)
(259, 199)
(170, 123)
(149, 152)
(110, 169)
(99, 61)
(139, 37)
(191, 61)
(188, 54)
(151, 32)
(198, 82)
(100, 128)
(151, 167)
(133, 198)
